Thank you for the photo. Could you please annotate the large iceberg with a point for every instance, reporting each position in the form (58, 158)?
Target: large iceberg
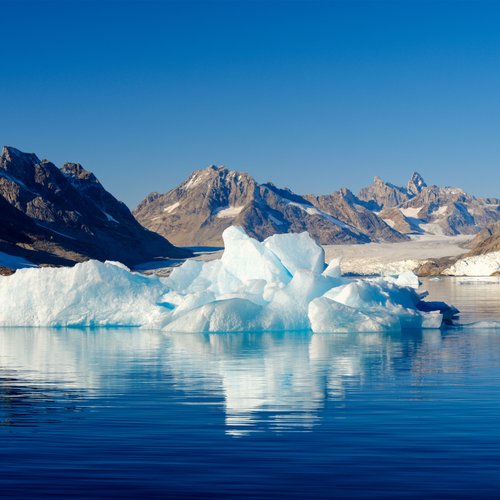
(282, 283)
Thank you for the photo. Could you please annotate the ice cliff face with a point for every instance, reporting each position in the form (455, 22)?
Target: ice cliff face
(198, 211)
(282, 283)
(483, 259)
(58, 216)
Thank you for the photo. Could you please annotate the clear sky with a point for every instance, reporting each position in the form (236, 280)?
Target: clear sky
(311, 95)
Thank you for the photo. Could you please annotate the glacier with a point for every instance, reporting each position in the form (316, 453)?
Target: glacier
(476, 265)
(282, 283)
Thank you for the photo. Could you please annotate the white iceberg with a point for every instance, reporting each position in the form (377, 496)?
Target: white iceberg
(89, 294)
(476, 265)
(282, 283)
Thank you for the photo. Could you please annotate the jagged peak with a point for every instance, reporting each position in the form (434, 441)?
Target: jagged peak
(214, 168)
(212, 172)
(75, 171)
(416, 183)
(344, 191)
(416, 176)
(10, 153)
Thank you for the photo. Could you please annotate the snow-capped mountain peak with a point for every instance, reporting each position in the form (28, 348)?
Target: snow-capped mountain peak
(416, 183)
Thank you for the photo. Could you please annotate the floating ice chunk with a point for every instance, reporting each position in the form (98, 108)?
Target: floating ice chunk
(360, 294)
(280, 284)
(448, 312)
(297, 251)
(327, 315)
(288, 305)
(306, 285)
(379, 292)
(232, 315)
(193, 301)
(247, 259)
(333, 270)
(481, 325)
(252, 290)
(88, 294)
(408, 278)
(183, 276)
(117, 264)
(432, 319)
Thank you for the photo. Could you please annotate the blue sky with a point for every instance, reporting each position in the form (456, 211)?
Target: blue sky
(311, 95)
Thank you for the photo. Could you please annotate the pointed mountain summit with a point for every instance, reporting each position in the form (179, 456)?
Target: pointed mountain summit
(380, 194)
(198, 210)
(52, 215)
(416, 183)
(437, 210)
(212, 199)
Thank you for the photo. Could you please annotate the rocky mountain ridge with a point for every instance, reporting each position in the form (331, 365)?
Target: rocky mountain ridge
(59, 216)
(199, 209)
(210, 200)
(440, 211)
(486, 241)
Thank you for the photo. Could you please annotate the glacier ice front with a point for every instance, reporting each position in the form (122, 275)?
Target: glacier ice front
(282, 283)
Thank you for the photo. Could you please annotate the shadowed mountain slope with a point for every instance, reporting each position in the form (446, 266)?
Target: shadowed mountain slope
(58, 216)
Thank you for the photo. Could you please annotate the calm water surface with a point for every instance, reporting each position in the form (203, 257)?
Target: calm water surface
(135, 414)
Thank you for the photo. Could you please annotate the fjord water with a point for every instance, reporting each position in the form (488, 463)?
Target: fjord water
(126, 413)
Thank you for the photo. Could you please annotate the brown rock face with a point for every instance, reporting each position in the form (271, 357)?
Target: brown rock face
(488, 240)
(398, 221)
(380, 194)
(59, 216)
(199, 209)
(345, 206)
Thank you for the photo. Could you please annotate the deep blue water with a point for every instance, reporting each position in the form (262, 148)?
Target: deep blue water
(134, 414)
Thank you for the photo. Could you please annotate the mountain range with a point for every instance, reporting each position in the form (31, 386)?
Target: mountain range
(61, 216)
(198, 210)
(58, 216)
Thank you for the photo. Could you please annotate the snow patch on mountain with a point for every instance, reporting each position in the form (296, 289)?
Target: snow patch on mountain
(411, 212)
(171, 208)
(229, 211)
(315, 211)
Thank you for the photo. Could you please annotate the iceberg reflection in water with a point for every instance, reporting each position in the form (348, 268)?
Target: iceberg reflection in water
(139, 414)
(274, 381)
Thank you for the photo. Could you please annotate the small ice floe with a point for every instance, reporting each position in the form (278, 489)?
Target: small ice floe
(479, 325)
